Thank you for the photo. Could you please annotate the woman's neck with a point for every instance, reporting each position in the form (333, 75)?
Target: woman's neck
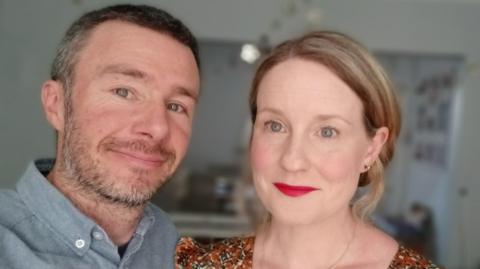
(322, 244)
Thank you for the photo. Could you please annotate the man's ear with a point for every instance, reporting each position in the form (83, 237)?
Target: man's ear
(378, 140)
(53, 104)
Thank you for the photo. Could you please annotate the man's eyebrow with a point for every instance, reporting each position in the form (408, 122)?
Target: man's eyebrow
(190, 93)
(123, 70)
(137, 74)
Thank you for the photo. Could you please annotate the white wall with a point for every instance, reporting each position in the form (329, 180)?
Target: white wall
(412, 178)
(30, 30)
(222, 108)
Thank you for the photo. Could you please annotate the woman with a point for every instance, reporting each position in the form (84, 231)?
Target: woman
(325, 120)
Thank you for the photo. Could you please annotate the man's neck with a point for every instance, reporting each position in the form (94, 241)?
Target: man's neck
(118, 221)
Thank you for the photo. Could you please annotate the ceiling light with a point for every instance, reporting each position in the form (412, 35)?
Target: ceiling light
(249, 53)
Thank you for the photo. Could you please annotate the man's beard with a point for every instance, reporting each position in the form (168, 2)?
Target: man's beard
(88, 175)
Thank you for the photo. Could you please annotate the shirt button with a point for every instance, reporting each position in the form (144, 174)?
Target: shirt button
(80, 243)
(97, 235)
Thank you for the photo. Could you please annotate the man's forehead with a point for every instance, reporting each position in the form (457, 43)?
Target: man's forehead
(110, 51)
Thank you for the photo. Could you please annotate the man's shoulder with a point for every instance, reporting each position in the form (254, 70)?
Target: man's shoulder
(156, 210)
(13, 210)
(163, 226)
(160, 216)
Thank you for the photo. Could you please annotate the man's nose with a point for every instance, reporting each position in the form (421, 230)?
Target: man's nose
(152, 122)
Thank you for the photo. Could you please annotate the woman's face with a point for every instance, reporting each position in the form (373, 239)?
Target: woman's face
(309, 142)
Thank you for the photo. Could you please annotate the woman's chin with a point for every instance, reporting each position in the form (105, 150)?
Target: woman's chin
(297, 218)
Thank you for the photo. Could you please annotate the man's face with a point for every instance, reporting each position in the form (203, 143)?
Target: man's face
(132, 105)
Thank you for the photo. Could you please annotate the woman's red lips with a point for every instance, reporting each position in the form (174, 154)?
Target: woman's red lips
(294, 191)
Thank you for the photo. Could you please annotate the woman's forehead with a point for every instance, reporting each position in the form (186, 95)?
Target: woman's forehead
(305, 84)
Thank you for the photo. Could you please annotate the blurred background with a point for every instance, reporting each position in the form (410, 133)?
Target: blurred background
(431, 48)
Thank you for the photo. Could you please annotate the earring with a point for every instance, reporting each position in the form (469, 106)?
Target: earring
(366, 167)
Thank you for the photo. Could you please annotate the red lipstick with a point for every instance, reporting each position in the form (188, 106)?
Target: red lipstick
(294, 191)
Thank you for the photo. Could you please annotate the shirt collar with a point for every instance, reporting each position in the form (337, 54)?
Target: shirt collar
(146, 222)
(52, 208)
(57, 212)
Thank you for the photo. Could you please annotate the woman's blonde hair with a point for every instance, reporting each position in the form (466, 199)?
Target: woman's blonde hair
(355, 66)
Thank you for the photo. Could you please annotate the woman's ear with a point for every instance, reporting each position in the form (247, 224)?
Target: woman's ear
(376, 145)
(53, 104)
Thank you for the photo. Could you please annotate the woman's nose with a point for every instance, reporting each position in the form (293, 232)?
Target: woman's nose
(294, 157)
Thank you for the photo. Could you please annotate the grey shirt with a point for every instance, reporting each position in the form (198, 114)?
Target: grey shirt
(40, 228)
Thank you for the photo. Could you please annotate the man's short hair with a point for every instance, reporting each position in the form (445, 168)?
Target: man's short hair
(145, 16)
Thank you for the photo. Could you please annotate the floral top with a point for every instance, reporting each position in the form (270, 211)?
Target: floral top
(237, 253)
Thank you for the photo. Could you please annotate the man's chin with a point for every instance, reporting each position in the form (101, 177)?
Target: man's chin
(142, 175)
(139, 189)
(135, 198)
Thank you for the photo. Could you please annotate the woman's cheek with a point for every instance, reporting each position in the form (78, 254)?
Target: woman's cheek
(260, 155)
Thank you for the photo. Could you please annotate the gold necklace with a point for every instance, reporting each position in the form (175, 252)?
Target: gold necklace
(345, 250)
(339, 259)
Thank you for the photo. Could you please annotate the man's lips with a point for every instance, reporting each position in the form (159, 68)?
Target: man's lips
(294, 191)
(141, 158)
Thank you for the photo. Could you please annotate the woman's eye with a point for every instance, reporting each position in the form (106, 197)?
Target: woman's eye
(274, 127)
(327, 132)
(122, 92)
(175, 107)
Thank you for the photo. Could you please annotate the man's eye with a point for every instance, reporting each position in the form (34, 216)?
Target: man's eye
(122, 92)
(274, 127)
(328, 132)
(175, 108)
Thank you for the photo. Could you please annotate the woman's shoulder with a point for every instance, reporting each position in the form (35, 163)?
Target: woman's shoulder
(385, 251)
(236, 252)
(407, 258)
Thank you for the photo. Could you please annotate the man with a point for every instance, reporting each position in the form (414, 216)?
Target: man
(122, 94)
